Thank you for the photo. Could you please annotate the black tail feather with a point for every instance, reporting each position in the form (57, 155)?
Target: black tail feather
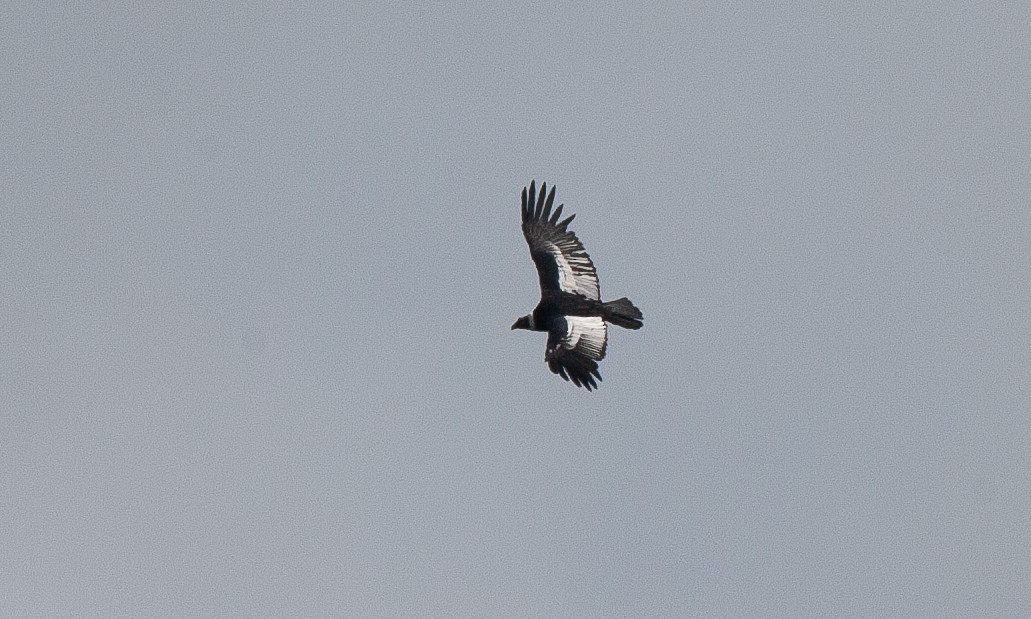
(623, 313)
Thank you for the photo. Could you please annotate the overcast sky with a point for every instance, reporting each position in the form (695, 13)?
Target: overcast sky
(258, 266)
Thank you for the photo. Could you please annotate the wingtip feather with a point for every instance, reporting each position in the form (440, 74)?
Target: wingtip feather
(557, 213)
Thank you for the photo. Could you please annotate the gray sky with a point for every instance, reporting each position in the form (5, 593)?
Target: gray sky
(259, 265)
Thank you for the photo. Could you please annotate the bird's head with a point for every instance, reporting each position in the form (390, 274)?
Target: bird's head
(526, 322)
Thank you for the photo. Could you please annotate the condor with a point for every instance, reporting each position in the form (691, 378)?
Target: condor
(570, 309)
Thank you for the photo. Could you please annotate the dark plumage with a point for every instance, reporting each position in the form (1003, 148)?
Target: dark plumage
(570, 310)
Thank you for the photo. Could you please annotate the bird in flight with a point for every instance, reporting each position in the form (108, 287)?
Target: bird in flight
(570, 310)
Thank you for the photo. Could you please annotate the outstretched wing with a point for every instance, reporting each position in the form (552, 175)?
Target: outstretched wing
(562, 263)
(575, 345)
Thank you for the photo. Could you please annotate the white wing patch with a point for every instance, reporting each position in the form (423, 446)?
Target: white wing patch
(575, 271)
(585, 334)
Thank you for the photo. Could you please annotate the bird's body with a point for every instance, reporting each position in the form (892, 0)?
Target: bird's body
(570, 309)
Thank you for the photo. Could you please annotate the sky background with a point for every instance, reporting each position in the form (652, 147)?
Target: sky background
(258, 265)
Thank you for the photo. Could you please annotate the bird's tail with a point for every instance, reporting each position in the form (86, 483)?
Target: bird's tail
(623, 313)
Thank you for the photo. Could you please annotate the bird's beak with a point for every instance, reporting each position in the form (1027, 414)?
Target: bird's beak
(514, 324)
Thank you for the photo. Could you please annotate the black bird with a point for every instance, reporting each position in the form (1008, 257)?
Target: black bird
(570, 309)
